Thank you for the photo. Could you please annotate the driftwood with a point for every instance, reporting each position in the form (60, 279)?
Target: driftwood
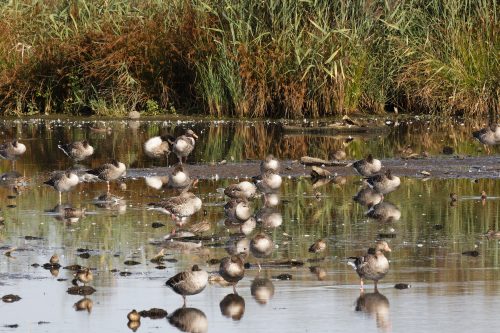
(318, 172)
(336, 128)
(307, 160)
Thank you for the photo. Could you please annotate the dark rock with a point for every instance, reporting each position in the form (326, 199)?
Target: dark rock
(81, 290)
(114, 270)
(284, 276)
(11, 298)
(131, 263)
(61, 279)
(35, 265)
(402, 286)
(11, 206)
(41, 322)
(157, 225)
(48, 265)
(153, 313)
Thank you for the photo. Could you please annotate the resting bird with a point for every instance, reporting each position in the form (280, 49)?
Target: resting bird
(179, 178)
(270, 164)
(368, 197)
(268, 182)
(367, 167)
(318, 246)
(488, 136)
(384, 183)
(374, 265)
(158, 146)
(232, 269)
(184, 145)
(244, 189)
(189, 282)
(12, 150)
(109, 171)
(238, 210)
(63, 182)
(261, 246)
(78, 150)
(84, 275)
(384, 211)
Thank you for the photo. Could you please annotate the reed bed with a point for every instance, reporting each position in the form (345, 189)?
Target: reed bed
(235, 58)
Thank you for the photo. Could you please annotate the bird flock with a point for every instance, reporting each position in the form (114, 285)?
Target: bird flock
(373, 265)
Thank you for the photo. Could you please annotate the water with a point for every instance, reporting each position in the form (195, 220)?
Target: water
(450, 292)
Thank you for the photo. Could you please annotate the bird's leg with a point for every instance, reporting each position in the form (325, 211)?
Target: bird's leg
(362, 287)
(184, 298)
(234, 289)
(60, 198)
(258, 263)
(376, 290)
(108, 186)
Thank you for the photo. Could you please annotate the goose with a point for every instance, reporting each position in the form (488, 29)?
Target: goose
(368, 197)
(384, 211)
(78, 150)
(268, 182)
(83, 275)
(184, 145)
(189, 320)
(109, 171)
(188, 283)
(238, 210)
(158, 146)
(374, 265)
(261, 246)
(244, 190)
(183, 205)
(270, 163)
(367, 167)
(12, 150)
(232, 306)
(232, 269)
(63, 182)
(488, 136)
(384, 183)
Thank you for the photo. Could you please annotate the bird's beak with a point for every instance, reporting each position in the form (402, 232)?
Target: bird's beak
(196, 136)
(388, 249)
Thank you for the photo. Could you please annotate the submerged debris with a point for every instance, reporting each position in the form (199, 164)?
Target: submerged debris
(81, 290)
(11, 298)
(402, 286)
(153, 313)
(284, 276)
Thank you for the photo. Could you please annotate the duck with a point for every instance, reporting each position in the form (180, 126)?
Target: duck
(384, 211)
(109, 171)
(238, 210)
(12, 150)
(368, 197)
(183, 205)
(133, 316)
(232, 306)
(372, 266)
(244, 190)
(83, 275)
(488, 136)
(189, 320)
(63, 182)
(261, 246)
(188, 283)
(384, 183)
(318, 246)
(184, 145)
(270, 163)
(367, 167)
(158, 146)
(232, 269)
(78, 150)
(268, 182)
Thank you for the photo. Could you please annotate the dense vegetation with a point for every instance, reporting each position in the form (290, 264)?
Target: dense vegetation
(249, 58)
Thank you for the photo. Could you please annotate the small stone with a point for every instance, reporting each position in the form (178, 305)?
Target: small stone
(284, 276)
(11, 298)
(447, 150)
(157, 225)
(131, 263)
(402, 286)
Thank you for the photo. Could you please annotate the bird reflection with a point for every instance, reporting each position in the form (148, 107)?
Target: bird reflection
(67, 213)
(368, 197)
(262, 290)
(134, 325)
(269, 217)
(189, 320)
(85, 304)
(384, 212)
(237, 244)
(376, 305)
(320, 272)
(232, 306)
(111, 202)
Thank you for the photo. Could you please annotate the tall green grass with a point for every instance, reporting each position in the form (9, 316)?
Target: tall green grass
(309, 58)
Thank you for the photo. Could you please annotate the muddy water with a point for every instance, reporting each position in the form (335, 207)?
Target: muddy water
(450, 292)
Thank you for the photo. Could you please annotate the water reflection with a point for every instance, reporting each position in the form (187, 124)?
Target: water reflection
(262, 290)
(385, 212)
(375, 305)
(190, 320)
(232, 306)
(85, 304)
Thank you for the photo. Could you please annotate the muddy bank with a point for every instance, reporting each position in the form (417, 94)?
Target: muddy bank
(437, 167)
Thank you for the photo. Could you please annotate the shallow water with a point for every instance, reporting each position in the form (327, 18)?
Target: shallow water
(450, 292)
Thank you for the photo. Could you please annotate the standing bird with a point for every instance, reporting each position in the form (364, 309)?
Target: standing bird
(83, 275)
(261, 246)
(270, 164)
(183, 205)
(232, 269)
(488, 136)
(12, 150)
(367, 167)
(384, 183)
(244, 189)
(184, 145)
(78, 150)
(63, 182)
(109, 171)
(159, 146)
(189, 282)
(374, 265)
